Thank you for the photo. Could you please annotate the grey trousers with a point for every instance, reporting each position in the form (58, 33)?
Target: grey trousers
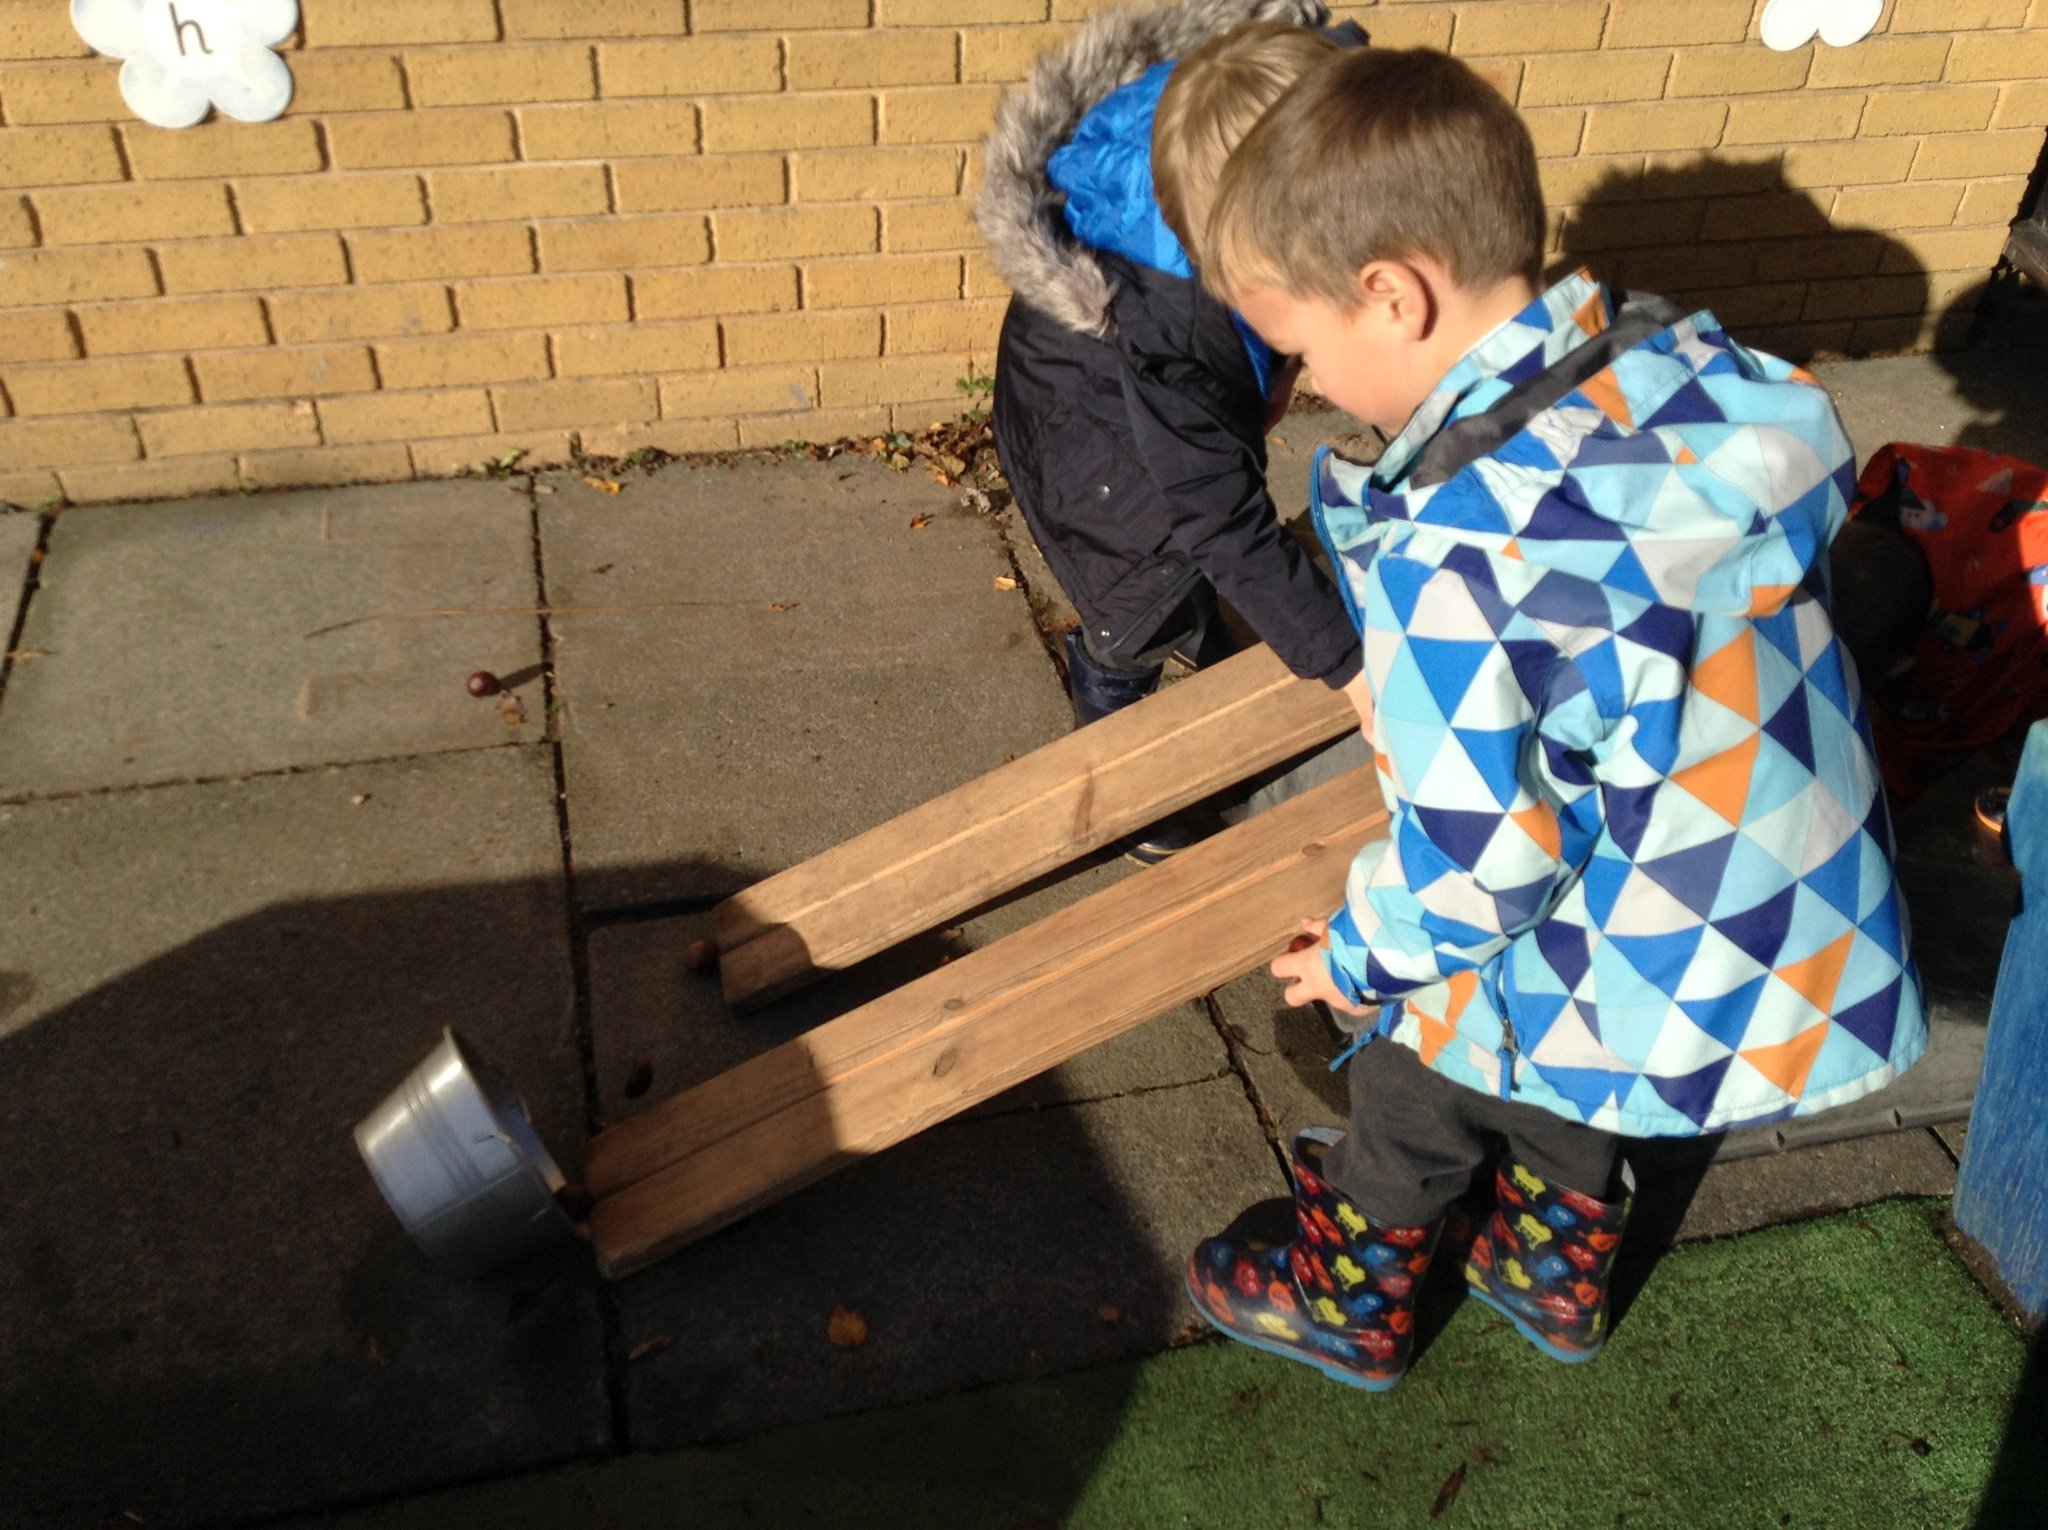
(1418, 1140)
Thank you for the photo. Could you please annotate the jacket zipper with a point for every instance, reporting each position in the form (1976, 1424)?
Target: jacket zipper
(1508, 1047)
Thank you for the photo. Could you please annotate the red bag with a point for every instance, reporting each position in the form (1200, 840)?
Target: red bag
(1980, 668)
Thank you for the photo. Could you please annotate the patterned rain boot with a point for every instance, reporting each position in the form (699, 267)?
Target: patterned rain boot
(1463, 1223)
(1544, 1258)
(1340, 1297)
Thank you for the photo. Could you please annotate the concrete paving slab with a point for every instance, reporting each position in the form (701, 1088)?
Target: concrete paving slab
(206, 1310)
(1286, 1053)
(1953, 1135)
(1682, 1198)
(17, 546)
(824, 666)
(178, 639)
(1291, 451)
(985, 1250)
(1992, 400)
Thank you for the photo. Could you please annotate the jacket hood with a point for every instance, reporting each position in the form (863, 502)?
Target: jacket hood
(1104, 172)
(1019, 208)
(1629, 445)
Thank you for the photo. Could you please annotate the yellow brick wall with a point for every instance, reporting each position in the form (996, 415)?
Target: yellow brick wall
(498, 225)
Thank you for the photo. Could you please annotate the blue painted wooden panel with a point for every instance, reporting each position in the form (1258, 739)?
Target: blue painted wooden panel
(2002, 1191)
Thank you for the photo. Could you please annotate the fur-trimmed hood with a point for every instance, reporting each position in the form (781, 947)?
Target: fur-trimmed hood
(1018, 209)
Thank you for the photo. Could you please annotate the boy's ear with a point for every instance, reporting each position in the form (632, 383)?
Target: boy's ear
(1400, 297)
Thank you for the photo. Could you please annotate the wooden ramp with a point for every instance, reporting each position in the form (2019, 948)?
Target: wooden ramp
(992, 1019)
(1036, 813)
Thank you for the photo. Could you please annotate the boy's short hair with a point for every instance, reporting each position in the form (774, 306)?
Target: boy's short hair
(1381, 155)
(1212, 99)
(1883, 588)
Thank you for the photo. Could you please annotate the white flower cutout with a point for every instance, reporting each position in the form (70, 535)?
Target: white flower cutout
(181, 57)
(1789, 24)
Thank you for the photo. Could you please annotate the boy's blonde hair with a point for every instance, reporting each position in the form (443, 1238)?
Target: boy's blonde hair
(1383, 155)
(1212, 99)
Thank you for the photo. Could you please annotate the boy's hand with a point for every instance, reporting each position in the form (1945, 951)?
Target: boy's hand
(1302, 970)
(1359, 694)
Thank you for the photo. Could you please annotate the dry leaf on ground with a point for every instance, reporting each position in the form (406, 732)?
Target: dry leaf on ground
(511, 710)
(602, 485)
(647, 1348)
(1005, 582)
(780, 606)
(846, 1328)
(1448, 1493)
(919, 522)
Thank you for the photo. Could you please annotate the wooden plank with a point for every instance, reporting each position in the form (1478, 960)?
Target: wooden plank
(1036, 813)
(970, 1030)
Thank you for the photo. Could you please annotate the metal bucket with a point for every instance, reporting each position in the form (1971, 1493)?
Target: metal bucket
(454, 1154)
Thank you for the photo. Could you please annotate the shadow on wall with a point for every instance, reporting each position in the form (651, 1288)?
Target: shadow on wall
(1762, 255)
(207, 1313)
(1736, 238)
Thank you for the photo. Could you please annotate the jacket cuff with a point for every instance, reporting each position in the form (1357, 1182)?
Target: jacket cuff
(1354, 991)
(1346, 671)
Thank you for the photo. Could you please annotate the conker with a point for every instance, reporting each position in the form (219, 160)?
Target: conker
(483, 683)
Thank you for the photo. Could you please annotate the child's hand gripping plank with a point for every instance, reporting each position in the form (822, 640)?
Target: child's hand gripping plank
(1302, 969)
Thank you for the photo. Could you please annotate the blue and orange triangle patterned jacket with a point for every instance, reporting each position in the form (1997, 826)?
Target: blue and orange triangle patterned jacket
(1639, 867)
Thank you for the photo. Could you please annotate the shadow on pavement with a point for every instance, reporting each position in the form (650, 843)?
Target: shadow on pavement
(207, 1313)
(2019, 1482)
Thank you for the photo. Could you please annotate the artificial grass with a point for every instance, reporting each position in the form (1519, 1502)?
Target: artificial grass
(1844, 1372)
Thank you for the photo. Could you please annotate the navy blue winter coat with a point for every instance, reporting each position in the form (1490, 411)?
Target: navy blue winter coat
(1130, 412)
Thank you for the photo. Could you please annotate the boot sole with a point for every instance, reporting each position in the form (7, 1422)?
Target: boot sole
(1273, 1347)
(1564, 1356)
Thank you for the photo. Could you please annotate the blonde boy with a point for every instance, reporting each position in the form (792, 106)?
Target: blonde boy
(1130, 406)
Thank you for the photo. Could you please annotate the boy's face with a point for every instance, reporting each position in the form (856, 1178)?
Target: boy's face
(1364, 361)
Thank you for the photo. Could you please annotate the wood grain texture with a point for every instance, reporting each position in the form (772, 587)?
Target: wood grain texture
(1030, 816)
(972, 1029)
